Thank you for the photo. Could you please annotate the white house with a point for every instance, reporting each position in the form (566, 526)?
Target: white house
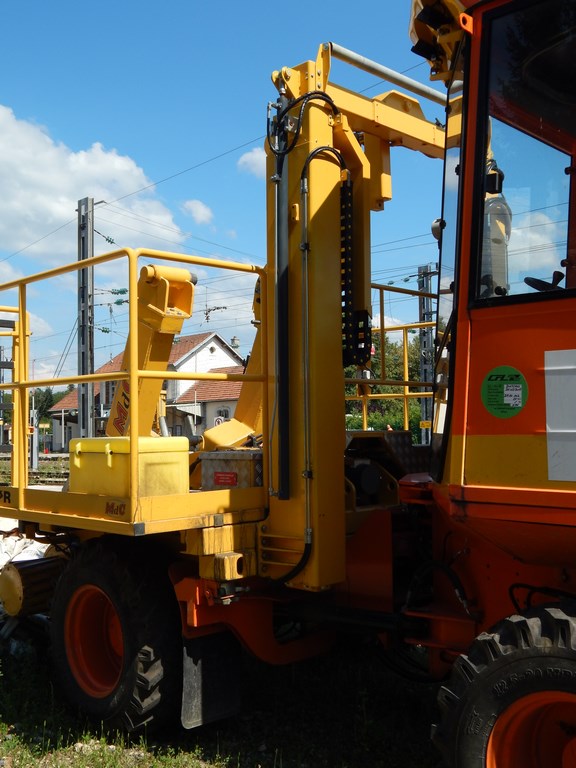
(206, 403)
(198, 353)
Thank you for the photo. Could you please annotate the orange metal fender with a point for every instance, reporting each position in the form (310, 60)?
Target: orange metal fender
(250, 617)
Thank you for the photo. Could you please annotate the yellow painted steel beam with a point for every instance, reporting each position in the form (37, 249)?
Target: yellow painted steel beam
(157, 514)
(393, 117)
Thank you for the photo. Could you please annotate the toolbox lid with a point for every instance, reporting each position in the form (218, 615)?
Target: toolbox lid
(122, 445)
(231, 454)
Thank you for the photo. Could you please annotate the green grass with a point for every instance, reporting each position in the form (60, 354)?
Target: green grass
(342, 711)
(345, 710)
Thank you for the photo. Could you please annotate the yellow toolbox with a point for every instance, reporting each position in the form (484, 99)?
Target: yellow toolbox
(101, 465)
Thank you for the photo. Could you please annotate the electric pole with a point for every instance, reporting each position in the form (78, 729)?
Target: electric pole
(426, 312)
(86, 316)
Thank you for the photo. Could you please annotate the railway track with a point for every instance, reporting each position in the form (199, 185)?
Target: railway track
(52, 470)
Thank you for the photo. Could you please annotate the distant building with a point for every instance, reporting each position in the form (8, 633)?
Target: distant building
(198, 353)
(205, 404)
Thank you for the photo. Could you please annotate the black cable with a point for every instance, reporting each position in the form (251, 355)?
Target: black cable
(433, 565)
(533, 590)
(303, 100)
(300, 565)
(318, 151)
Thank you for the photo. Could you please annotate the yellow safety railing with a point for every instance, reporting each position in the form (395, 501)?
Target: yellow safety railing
(409, 389)
(21, 383)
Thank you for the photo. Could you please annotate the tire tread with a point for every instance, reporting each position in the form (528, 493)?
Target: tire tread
(535, 635)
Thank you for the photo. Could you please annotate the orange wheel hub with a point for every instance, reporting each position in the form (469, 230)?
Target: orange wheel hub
(94, 641)
(537, 731)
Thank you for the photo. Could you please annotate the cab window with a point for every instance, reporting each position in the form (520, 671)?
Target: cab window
(526, 168)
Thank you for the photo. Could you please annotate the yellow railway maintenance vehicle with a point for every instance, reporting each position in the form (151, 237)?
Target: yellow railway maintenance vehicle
(463, 549)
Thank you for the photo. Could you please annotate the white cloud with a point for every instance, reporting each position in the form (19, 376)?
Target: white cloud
(390, 323)
(536, 243)
(41, 182)
(254, 162)
(9, 272)
(39, 325)
(199, 211)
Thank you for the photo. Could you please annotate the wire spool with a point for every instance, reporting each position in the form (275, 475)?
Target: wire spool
(26, 586)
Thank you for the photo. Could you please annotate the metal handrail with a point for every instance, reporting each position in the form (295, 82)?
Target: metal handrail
(407, 394)
(21, 383)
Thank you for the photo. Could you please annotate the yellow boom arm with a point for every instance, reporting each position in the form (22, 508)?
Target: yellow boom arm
(165, 298)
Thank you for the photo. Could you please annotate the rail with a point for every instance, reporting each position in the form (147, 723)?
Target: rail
(22, 383)
(396, 78)
(409, 389)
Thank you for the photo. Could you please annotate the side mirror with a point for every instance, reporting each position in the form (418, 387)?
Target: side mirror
(437, 226)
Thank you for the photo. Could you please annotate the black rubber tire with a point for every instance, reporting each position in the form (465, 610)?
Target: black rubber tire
(524, 669)
(143, 690)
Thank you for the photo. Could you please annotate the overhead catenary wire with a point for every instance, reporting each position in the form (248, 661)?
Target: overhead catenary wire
(191, 168)
(39, 240)
(150, 221)
(212, 159)
(137, 217)
(66, 350)
(177, 174)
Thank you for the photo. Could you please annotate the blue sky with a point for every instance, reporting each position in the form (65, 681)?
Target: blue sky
(105, 100)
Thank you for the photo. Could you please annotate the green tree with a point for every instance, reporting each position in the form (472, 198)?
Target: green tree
(388, 411)
(43, 401)
(62, 393)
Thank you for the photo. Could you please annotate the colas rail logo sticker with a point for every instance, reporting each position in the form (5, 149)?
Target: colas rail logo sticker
(504, 392)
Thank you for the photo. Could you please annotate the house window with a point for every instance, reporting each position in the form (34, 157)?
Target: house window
(223, 413)
(109, 389)
(177, 430)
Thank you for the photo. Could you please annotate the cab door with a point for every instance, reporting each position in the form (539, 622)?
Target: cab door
(516, 349)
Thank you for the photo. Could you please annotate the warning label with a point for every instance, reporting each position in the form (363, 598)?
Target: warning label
(228, 479)
(504, 392)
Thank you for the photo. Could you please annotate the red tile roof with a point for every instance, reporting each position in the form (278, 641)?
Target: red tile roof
(70, 400)
(210, 391)
(181, 347)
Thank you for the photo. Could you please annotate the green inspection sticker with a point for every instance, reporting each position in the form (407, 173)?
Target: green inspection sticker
(504, 392)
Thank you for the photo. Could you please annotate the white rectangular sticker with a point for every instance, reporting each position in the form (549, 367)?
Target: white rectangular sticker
(560, 378)
(513, 395)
